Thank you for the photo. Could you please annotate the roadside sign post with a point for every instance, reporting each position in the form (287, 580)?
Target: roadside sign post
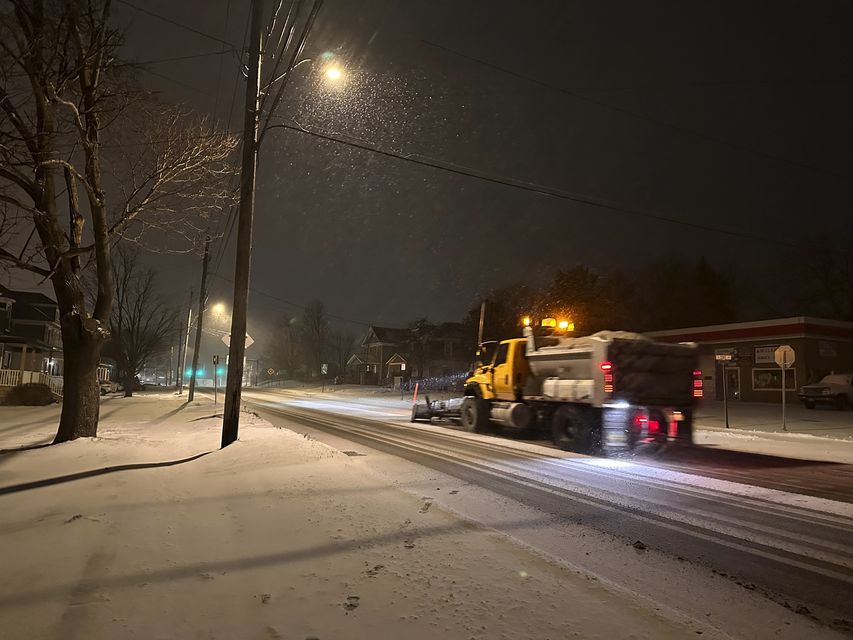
(215, 376)
(784, 357)
(723, 356)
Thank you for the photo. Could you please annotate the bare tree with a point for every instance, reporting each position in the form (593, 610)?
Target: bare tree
(62, 93)
(341, 347)
(315, 331)
(819, 277)
(285, 347)
(141, 323)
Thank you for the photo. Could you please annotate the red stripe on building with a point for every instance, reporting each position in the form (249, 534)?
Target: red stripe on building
(798, 329)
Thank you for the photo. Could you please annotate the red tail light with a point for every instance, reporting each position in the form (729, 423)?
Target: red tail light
(607, 368)
(698, 384)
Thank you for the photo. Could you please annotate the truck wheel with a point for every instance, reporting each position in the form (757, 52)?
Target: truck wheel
(809, 404)
(475, 415)
(841, 402)
(571, 430)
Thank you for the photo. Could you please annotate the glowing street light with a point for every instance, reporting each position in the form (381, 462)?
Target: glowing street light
(334, 74)
(218, 309)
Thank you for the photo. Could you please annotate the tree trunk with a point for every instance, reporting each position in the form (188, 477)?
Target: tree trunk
(81, 401)
(128, 381)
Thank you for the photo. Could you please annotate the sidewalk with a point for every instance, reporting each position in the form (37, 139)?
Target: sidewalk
(821, 434)
(151, 531)
(827, 422)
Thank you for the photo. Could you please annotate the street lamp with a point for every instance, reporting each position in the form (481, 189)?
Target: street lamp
(334, 74)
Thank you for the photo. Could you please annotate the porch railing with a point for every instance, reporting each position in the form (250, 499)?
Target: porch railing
(10, 377)
(14, 377)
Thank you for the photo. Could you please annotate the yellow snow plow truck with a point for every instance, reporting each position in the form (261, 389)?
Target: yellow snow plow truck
(610, 391)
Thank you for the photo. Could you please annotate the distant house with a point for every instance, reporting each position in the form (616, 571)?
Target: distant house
(30, 336)
(369, 364)
(387, 354)
(31, 340)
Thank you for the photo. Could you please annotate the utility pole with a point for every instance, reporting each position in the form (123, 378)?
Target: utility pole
(202, 300)
(237, 348)
(482, 320)
(183, 340)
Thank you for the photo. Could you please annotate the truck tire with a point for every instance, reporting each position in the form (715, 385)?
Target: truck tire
(475, 414)
(841, 402)
(571, 430)
(810, 404)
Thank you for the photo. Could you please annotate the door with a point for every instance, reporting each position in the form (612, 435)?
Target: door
(502, 373)
(733, 382)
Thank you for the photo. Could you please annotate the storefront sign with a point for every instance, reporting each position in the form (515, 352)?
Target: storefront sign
(765, 354)
(725, 355)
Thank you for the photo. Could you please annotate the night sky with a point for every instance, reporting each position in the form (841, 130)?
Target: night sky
(729, 114)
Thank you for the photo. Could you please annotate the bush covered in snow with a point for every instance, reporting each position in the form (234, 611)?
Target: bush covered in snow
(30, 394)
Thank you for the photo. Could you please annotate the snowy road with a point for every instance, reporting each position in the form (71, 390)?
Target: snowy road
(792, 549)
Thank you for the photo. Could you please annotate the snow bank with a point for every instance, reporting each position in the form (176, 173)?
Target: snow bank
(151, 531)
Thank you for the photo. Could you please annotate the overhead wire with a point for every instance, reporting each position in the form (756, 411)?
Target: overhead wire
(190, 56)
(175, 23)
(229, 221)
(219, 71)
(528, 186)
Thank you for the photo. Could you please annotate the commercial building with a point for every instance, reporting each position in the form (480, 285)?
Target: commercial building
(821, 347)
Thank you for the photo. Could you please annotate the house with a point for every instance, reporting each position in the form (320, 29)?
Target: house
(31, 342)
(749, 369)
(30, 336)
(369, 365)
(388, 355)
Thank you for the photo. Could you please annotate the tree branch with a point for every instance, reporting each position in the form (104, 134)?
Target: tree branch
(70, 168)
(5, 256)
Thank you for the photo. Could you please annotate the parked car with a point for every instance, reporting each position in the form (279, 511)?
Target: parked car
(108, 387)
(836, 389)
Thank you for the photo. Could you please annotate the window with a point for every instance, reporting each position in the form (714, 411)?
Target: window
(5, 316)
(771, 379)
(500, 356)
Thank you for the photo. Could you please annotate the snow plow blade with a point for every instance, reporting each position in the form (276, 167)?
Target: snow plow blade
(445, 409)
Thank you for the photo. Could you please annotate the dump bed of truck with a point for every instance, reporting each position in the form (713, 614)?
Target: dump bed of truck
(637, 369)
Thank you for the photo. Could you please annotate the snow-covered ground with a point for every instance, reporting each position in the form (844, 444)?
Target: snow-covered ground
(151, 531)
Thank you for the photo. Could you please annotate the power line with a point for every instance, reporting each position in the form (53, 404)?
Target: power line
(229, 221)
(531, 187)
(177, 24)
(174, 59)
(178, 82)
(642, 116)
(219, 71)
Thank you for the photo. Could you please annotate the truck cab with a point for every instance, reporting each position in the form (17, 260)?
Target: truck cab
(504, 376)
